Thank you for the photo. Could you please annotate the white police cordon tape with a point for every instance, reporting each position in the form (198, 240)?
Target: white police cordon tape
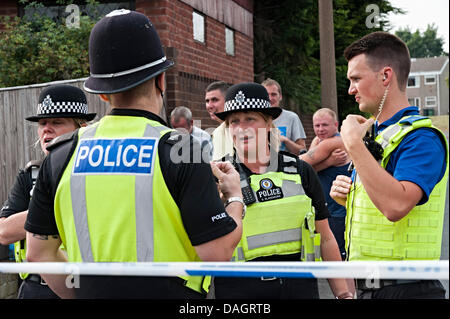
(424, 269)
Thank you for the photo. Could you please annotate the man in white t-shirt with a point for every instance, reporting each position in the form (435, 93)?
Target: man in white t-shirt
(214, 103)
(292, 134)
(181, 119)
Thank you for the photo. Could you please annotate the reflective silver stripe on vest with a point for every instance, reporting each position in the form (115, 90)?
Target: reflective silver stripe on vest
(310, 257)
(388, 134)
(274, 238)
(291, 188)
(240, 253)
(317, 252)
(79, 207)
(144, 207)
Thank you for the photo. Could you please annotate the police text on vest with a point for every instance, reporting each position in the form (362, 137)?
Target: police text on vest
(115, 156)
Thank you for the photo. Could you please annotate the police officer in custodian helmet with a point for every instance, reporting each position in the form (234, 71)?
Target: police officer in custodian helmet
(117, 191)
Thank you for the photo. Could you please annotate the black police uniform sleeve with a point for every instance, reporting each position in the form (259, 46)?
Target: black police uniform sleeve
(193, 188)
(313, 189)
(19, 195)
(41, 217)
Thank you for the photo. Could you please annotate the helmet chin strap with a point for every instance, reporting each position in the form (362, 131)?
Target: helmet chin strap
(162, 98)
(161, 91)
(383, 100)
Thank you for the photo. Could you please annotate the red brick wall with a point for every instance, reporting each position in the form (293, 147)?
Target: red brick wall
(8, 8)
(197, 64)
(307, 123)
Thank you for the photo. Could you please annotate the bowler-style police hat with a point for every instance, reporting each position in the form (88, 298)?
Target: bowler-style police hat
(248, 97)
(62, 100)
(124, 51)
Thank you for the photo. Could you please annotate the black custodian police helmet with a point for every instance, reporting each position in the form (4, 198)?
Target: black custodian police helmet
(124, 51)
(62, 100)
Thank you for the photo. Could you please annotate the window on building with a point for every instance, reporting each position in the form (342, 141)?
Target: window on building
(229, 41)
(430, 101)
(415, 101)
(430, 79)
(414, 82)
(198, 22)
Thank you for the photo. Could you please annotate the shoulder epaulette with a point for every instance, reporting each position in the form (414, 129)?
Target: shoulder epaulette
(174, 138)
(177, 138)
(289, 162)
(413, 118)
(61, 140)
(33, 163)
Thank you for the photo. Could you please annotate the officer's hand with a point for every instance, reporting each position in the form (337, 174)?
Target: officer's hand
(340, 188)
(353, 129)
(229, 182)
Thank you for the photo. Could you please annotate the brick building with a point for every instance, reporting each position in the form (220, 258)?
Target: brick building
(209, 40)
(427, 86)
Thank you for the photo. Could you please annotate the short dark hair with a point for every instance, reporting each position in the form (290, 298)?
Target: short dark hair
(383, 49)
(219, 85)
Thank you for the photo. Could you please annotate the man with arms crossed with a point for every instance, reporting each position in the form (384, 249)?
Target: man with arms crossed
(328, 157)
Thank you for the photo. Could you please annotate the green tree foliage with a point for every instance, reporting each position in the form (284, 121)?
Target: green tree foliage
(287, 49)
(422, 45)
(39, 49)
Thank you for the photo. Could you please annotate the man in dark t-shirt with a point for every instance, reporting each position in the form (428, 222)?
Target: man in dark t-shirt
(320, 156)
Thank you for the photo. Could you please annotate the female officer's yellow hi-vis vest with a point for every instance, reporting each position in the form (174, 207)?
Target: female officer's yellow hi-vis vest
(369, 235)
(112, 203)
(281, 221)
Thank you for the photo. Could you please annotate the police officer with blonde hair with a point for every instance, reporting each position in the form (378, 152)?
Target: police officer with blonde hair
(286, 219)
(61, 109)
(118, 191)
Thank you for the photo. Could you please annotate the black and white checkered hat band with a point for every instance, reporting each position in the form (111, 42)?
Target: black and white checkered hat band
(62, 107)
(248, 103)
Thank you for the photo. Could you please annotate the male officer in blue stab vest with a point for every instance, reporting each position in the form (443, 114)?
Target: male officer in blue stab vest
(117, 190)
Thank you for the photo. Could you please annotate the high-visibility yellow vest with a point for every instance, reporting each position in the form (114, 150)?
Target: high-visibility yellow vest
(369, 235)
(281, 221)
(112, 203)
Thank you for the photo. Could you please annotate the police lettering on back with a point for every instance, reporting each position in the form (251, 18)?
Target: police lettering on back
(115, 156)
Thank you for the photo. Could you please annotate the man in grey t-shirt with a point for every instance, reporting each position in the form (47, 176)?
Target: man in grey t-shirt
(292, 134)
(181, 119)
